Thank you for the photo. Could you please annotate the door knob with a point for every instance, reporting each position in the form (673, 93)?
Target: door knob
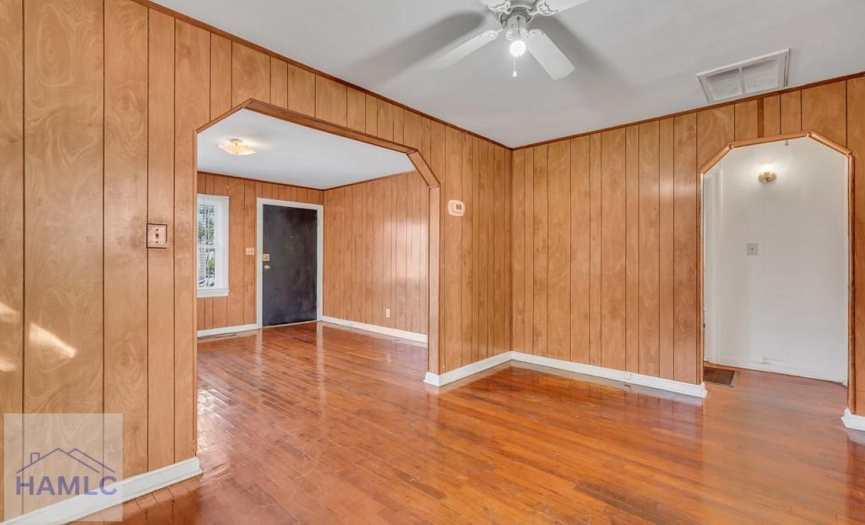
(267, 267)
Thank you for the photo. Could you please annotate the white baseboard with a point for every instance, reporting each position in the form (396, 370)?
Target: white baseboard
(227, 330)
(821, 375)
(852, 421)
(128, 489)
(629, 378)
(466, 371)
(402, 334)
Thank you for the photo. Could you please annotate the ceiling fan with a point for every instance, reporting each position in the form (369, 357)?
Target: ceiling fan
(515, 16)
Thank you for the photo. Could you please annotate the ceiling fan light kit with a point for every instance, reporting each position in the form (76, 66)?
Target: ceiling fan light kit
(515, 17)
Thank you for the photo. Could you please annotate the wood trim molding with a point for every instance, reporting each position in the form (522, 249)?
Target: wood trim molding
(711, 163)
(716, 158)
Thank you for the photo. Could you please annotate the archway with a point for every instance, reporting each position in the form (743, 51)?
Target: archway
(707, 168)
(421, 166)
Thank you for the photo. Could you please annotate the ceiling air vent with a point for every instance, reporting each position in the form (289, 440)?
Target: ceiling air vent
(751, 77)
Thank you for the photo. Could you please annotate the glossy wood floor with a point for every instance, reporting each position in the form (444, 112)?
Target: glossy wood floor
(316, 424)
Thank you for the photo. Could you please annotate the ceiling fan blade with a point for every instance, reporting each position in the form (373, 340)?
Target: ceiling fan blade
(463, 50)
(549, 55)
(496, 6)
(552, 7)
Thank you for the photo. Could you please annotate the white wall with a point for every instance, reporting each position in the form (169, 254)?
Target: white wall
(785, 309)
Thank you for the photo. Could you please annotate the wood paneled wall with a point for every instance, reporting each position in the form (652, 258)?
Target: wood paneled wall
(605, 237)
(101, 142)
(376, 252)
(238, 308)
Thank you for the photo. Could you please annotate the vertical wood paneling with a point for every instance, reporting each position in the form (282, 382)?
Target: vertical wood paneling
(746, 114)
(632, 250)
(559, 217)
(11, 220)
(356, 111)
(250, 74)
(220, 75)
(685, 247)
(664, 367)
(581, 246)
(249, 241)
(481, 241)
(385, 119)
(496, 234)
(125, 285)
(236, 276)
(529, 232)
(613, 216)
(192, 89)
(518, 254)
(451, 228)
(540, 284)
(372, 118)
(160, 263)
(219, 305)
(856, 143)
(824, 110)
(595, 241)
(466, 250)
(791, 112)
(301, 90)
(278, 83)
(63, 160)
(353, 295)
(771, 115)
(649, 247)
(330, 101)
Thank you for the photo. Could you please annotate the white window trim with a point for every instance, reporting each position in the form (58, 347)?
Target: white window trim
(222, 257)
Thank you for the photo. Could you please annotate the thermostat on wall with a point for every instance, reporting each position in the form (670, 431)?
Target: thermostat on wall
(456, 208)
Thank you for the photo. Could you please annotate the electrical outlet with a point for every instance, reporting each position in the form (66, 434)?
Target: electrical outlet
(250, 251)
(752, 249)
(387, 312)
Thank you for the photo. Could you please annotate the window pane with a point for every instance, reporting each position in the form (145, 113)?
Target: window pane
(206, 248)
(212, 236)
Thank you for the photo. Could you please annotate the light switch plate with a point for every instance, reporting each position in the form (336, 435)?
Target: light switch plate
(250, 251)
(157, 236)
(752, 249)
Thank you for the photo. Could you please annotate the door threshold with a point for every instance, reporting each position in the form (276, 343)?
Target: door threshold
(289, 324)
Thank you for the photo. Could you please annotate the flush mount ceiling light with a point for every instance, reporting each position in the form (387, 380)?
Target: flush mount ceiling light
(237, 147)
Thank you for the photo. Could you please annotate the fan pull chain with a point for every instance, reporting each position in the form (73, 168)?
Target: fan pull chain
(515, 67)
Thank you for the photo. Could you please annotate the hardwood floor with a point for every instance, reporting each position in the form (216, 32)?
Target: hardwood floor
(317, 424)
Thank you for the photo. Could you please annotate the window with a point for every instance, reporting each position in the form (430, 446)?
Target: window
(212, 246)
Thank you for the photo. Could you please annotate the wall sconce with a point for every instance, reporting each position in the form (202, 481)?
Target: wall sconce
(767, 173)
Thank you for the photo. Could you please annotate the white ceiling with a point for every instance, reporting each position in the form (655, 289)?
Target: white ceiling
(291, 154)
(635, 59)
